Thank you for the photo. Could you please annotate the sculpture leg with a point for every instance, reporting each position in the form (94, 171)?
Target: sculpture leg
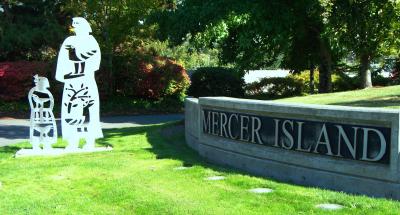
(76, 68)
(90, 143)
(82, 68)
(47, 143)
(35, 146)
(47, 146)
(73, 144)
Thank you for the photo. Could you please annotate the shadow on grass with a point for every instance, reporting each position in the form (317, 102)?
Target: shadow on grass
(103, 142)
(386, 101)
(164, 145)
(169, 146)
(12, 149)
(9, 149)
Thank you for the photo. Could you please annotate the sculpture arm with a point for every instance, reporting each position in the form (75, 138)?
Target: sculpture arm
(93, 62)
(63, 62)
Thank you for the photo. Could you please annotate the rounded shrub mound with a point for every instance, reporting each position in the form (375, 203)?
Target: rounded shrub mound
(216, 81)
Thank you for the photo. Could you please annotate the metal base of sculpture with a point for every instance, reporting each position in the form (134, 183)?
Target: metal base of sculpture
(58, 151)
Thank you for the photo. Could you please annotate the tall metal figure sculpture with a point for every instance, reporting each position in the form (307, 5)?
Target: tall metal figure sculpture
(78, 60)
(43, 129)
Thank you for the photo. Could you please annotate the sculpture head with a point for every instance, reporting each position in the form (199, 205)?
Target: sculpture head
(41, 83)
(81, 26)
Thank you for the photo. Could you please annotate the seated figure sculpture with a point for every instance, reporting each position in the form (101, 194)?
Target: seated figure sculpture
(43, 129)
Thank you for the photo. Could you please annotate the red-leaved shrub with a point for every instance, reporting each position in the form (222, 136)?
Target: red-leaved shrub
(156, 79)
(16, 78)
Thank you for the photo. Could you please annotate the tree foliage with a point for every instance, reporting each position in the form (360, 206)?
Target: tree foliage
(297, 35)
(254, 34)
(29, 28)
(363, 27)
(119, 26)
(250, 34)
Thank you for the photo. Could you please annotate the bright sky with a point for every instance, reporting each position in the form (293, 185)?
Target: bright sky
(256, 75)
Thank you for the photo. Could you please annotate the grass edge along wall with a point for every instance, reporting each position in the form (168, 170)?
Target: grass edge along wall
(360, 176)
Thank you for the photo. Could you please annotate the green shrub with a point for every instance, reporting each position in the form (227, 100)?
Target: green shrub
(395, 73)
(381, 81)
(342, 82)
(299, 84)
(305, 78)
(274, 88)
(216, 81)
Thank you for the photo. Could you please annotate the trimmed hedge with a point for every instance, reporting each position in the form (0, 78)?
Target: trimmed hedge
(216, 81)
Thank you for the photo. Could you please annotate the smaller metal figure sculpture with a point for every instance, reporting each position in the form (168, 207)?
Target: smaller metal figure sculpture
(43, 128)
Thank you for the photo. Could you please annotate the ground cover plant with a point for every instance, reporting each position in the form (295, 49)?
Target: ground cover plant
(140, 177)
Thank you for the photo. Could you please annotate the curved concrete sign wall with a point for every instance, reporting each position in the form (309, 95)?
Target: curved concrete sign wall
(349, 149)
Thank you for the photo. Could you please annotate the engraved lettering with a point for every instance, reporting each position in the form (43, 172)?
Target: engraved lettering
(287, 134)
(327, 144)
(244, 126)
(365, 145)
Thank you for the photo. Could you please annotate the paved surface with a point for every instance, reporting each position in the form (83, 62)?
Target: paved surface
(17, 130)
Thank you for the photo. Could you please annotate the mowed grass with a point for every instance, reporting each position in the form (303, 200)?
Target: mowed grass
(385, 97)
(138, 177)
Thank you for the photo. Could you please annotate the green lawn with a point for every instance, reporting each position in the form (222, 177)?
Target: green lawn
(138, 177)
(386, 97)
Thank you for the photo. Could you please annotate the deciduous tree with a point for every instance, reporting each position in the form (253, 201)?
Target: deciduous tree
(254, 34)
(362, 26)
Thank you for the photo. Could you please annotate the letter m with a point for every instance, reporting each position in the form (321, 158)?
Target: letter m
(206, 121)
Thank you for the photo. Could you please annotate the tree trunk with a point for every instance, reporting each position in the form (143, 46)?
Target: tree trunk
(365, 73)
(312, 80)
(325, 80)
(325, 69)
